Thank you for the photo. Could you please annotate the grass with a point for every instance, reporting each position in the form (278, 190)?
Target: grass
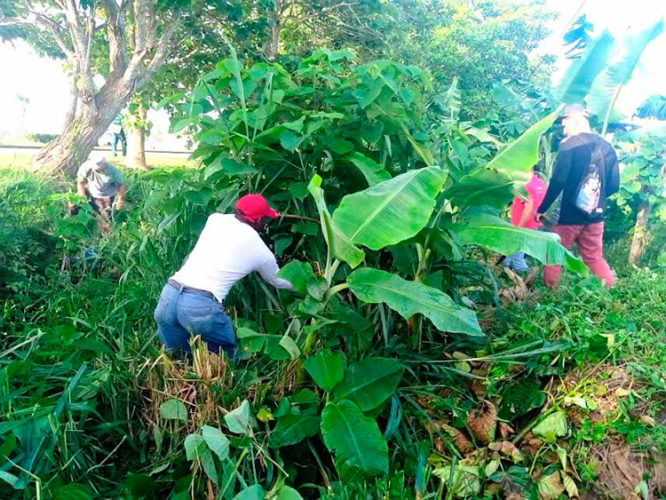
(83, 381)
(24, 160)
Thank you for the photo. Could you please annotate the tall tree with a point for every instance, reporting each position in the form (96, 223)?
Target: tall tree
(132, 37)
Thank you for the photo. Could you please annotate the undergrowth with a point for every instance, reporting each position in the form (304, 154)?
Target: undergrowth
(568, 389)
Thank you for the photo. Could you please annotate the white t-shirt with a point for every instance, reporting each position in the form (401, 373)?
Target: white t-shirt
(227, 251)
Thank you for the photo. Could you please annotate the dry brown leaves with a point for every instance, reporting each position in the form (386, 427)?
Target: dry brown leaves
(605, 385)
(482, 422)
(620, 469)
(519, 290)
(165, 378)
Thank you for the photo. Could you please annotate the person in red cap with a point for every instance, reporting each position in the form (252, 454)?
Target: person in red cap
(228, 249)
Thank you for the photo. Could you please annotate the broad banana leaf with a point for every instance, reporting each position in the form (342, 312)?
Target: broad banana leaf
(326, 368)
(421, 150)
(373, 172)
(391, 211)
(370, 382)
(608, 85)
(523, 153)
(337, 241)
(500, 236)
(356, 440)
(411, 297)
(481, 187)
(576, 82)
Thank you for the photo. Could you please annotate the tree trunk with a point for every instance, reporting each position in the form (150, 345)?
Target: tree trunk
(276, 28)
(66, 153)
(136, 141)
(72, 107)
(640, 233)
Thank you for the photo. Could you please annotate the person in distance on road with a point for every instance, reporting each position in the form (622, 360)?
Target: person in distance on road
(586, 172)
(104, 187)
(229, 248)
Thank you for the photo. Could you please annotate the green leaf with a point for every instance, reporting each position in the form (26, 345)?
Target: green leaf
(293, 428)
(366, 95)
(299, 274)
(239, 420)
(194, 444)
(550, 487)
(521, 397)
(421, 150)
(254, 492)
(173, 409)
(608, 85)
(289, 140)
(552, 427)
(289, 345)
(481, 187)
(15, 482)
(212, 137)
(216, 441)
(196, 448)
(73, 491)
(288, 493)
(227, 166)
(199, 197)
(523, 153)
(337, 145)
(299, 190)
(208, 465)
(326, 369)
(373, 172)
(340, 246)
(356, 440)
(576, 82)
(464, 480)
(258, 342)
(370, 382)
(410, 297)
(140, 485)
(498, 235)
(391, 211)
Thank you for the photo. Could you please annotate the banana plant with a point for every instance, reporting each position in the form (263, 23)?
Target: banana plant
(607, 87)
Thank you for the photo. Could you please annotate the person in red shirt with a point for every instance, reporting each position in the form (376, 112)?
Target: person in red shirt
(523, 211)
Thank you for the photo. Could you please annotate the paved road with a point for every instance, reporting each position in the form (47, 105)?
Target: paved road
(22, 150)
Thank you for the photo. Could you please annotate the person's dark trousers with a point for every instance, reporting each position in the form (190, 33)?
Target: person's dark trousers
(123, 142)
(102, 206)
(181, 314)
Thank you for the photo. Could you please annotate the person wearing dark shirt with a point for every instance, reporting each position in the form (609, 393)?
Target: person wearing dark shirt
(575, 224)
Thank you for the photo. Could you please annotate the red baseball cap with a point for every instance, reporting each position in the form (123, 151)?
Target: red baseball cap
(255, 207)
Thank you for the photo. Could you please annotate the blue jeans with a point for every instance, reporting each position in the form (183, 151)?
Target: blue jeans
(179, 315)
(517, 262)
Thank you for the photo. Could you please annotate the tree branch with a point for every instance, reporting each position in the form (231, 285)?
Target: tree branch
(160, 52)
(117, 37)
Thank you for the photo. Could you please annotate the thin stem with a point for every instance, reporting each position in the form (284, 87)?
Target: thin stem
(335, 289)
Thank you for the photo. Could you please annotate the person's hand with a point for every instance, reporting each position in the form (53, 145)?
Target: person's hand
(119, 204)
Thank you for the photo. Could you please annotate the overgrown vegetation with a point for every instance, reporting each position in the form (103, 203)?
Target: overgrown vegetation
(88, 399)
(407, 364)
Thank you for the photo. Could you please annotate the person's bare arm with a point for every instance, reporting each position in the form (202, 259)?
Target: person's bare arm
(528, 212)
(120, 197)
(81, 187)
